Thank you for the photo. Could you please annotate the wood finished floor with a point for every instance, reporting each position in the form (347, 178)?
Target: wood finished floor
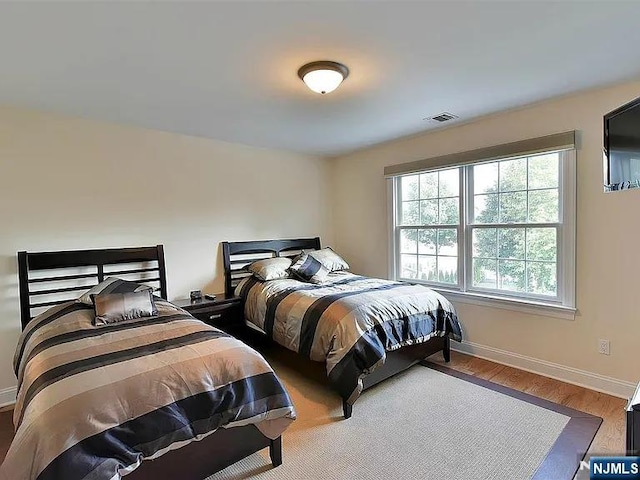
(610, 437)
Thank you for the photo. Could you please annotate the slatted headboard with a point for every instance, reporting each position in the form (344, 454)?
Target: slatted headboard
(237, 255)
(94, 265)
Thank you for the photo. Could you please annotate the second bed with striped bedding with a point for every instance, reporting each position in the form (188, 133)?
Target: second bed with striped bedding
(349, 321)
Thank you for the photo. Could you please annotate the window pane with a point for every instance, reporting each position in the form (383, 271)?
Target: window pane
(408, 243)
(448, 269)
(449, 183)
(485, 242)
(485, 178)
(485, 208)
(543, 171)
(511, 275)
(410, 213)
(409, 187)
(449, 211)
(447, 241)
(541, 244)
(513, 175)
(428, 212)
(511, 243)
(542, 278)
(408, 266)
(485, 273)
(508, 197)
(427, 268)
(429, 185)
(513, 207)
(427, 241)
(543, 206)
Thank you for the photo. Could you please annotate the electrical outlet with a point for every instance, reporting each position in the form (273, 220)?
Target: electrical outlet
(603, 346)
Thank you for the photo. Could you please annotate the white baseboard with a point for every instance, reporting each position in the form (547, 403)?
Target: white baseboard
(8, 396)
(582, 378)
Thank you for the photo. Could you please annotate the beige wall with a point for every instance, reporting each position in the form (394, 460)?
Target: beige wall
(70, 183)
(608, 234)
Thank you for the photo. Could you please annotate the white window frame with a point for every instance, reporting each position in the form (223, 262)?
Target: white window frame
(563, 305)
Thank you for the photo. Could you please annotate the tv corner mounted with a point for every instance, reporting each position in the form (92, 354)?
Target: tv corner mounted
(622, 148)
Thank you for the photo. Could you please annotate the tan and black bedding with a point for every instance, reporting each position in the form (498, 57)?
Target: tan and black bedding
(348, 321)
(94, 402)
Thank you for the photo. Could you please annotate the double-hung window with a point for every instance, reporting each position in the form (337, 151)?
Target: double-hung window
(501, 228)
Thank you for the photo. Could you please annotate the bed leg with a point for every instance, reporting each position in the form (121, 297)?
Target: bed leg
(446, 351)
(346, 409)
(275, 451)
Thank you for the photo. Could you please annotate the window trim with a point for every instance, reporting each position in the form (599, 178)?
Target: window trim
(563, 305)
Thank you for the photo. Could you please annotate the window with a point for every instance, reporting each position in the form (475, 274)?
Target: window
(430, 219)
(502, 228)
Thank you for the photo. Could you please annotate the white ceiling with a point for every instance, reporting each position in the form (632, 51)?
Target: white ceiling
(228, 70)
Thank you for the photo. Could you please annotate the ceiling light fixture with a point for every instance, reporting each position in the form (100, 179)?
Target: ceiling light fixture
(323, 76)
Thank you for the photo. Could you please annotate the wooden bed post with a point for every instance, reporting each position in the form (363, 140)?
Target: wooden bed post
(23, 279)
(275, 451)
(446, 351)
(163, 272)
(226, 260)
(347, 409)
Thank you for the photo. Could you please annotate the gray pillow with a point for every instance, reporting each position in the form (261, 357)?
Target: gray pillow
(330, 259)
(270, 268)
(113, 285)
(308, 269)
(118, 307)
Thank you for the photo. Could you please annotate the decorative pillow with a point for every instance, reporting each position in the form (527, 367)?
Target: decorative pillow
(330, 259)
(309, 269)
(117, 307)
(113, 285)
(270, 268)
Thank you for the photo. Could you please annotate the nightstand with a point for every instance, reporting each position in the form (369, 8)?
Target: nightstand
(225, 312)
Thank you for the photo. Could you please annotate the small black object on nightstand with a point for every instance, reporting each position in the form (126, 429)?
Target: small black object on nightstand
(223, 312)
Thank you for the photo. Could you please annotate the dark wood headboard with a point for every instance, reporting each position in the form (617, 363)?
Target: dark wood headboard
(237, 255)
(93, 263)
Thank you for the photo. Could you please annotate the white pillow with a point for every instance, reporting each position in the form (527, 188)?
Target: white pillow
(330, 259)
(270, 268)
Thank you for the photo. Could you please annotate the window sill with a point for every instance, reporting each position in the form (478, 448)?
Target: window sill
(524, 306)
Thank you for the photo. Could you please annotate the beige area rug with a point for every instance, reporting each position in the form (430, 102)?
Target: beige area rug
(420, 424)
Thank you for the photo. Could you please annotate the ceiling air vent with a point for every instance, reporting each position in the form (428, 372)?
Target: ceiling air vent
(443, 117)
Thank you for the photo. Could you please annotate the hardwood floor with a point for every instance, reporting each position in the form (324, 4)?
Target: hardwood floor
(609, 439)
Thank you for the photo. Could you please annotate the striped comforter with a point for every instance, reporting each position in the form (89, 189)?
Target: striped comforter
(93, 402)
(350, 321)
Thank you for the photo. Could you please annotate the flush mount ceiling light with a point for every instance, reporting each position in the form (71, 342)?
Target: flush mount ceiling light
(323, 76)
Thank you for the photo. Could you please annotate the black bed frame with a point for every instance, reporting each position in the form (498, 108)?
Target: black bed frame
(237, 255)
(196, 460)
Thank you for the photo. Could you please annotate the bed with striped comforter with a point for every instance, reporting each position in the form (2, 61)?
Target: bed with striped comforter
(349, 321)
(93, 402)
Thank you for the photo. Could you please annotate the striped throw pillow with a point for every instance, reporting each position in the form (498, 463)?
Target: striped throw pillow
(113, 285)
(308, 269)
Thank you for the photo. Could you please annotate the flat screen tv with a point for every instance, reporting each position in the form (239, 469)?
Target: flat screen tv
(622, 147)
